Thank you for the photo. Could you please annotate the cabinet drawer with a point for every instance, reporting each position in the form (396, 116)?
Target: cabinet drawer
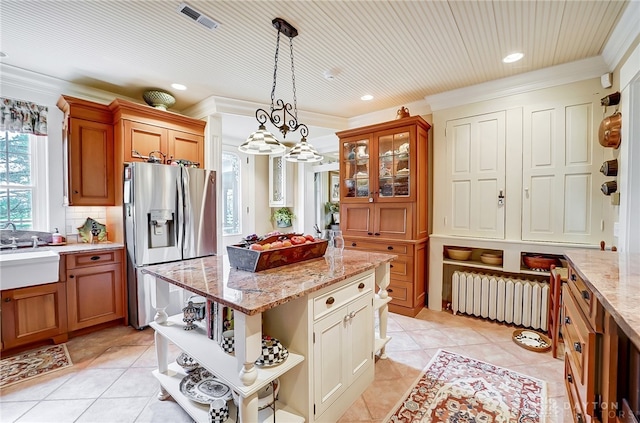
(78, 260)
(580, 348)
(382, 246)
(401, 293)
(586, 300)
(335, 299)
(577, 410)
(402, 268)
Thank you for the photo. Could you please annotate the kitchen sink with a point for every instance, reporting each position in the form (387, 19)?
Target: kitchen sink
(27, 267)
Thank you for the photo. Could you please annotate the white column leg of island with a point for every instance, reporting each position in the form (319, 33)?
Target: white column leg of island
(383, 273)
(248, 346)
(162, 344)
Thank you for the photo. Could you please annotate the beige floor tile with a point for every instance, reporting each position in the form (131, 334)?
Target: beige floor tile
(58, 411)
(11, 411)
(382, 396)
(88, 383)
(134, 382)
(432, 338)
(36, 389)
(402, 342)
(465, 336)
(118, 357)
(157, 411)
(112, 410)
(410, 360)
(491, 353)
(358, 412)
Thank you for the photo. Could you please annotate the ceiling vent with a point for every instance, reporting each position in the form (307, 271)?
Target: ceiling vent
(199, 17)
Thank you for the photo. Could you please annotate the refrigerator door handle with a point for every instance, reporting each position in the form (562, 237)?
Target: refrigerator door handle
(180, 232)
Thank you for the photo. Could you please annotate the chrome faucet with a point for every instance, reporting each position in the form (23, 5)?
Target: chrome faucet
(7, 224)
(35, 241)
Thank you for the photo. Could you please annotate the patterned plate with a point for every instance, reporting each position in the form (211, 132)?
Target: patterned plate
(203, 387)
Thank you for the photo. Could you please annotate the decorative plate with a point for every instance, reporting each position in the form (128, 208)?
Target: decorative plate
(530, 340)
(92, 227)
(203, 387)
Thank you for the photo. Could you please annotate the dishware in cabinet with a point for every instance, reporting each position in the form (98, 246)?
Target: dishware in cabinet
(230, 369)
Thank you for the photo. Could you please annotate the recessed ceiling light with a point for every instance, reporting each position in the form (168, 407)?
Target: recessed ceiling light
(366, 97)
(329, 75)
(179, 87)
(513, 57)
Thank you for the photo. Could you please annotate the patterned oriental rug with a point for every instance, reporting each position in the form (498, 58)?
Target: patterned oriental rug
(458, 389)
(30, 364)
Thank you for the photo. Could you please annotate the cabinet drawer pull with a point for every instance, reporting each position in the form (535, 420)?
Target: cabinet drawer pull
(377, 234)
(330, 301)
(585, 294)
(569, 379)
(94, 258)
(369, 233)
(352, 315)
(390, 247)
(567, 320)
(361, 285)
(578, 347)
(353, 244)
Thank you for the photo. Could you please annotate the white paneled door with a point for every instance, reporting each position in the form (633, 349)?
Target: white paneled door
(476, 176)
(558, 174)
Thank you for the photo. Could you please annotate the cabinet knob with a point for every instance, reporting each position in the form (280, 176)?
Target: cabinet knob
(353, 244)
(75, 191)
(330, 301)
(567, 320)
(579, 418)
(377, 234)
(573, 277)
(352, 315)
(577, 346)
(71, 276)
(360, 285)
(389, 290)
(7, 300)
(569, 379)
(369, 233)
(391, 266)
(390, 247)
(585, 294)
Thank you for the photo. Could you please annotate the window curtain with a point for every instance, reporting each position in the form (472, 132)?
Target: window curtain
(23, 116)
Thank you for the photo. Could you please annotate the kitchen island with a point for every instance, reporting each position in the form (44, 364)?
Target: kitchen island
(322, 312)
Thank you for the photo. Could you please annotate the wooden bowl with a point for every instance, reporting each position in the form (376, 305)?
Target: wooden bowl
(491, 258)
(539, 262)
(459, 253)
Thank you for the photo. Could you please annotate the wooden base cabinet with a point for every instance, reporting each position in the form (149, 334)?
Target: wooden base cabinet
(95, 288)
(34, 314)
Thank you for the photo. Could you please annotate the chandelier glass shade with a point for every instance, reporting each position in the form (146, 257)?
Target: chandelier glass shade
(282, 115)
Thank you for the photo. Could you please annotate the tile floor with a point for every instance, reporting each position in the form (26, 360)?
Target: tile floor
(111, 379)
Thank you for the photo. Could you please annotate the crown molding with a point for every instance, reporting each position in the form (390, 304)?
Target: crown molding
(214, 104)
(544, 78)
(623, 35)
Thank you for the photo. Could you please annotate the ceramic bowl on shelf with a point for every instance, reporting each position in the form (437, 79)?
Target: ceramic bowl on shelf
(187, 362)
(539, 262)
(459, 253)
(491, 258)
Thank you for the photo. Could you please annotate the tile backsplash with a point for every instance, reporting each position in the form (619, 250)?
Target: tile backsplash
(76, 216)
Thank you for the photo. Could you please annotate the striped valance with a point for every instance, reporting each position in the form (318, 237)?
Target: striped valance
(23, 116)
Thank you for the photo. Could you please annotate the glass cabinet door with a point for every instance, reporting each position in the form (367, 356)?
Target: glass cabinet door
(356, 168)
(394, 171)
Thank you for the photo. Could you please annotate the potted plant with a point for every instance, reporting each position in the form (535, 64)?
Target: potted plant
(283, 217)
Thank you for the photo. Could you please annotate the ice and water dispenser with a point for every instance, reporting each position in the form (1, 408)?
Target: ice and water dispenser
(161, 228)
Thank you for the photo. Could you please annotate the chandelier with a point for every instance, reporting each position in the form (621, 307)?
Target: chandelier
(284, 116)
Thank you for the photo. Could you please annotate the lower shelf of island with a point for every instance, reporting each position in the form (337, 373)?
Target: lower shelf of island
(170, 381)
(208, 354)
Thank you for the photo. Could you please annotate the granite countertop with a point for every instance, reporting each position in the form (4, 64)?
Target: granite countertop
(615, 280)
(252, 293)
(83, 246)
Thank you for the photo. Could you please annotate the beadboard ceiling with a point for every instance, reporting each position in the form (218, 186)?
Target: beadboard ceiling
(398, 51)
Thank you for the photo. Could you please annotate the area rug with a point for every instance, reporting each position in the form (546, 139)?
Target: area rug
(454, 388)
(30, 364)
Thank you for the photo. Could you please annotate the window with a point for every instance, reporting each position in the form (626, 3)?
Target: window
(231, 194)
(20, 177)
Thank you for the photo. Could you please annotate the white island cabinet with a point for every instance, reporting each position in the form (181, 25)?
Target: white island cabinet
(322, 312)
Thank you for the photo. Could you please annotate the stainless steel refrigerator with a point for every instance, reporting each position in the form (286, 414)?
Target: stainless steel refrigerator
(170, 215)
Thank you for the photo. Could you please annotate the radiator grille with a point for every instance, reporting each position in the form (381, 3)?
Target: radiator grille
(521, 302)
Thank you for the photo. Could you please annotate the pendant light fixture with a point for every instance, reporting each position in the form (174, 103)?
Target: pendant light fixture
(283, 116)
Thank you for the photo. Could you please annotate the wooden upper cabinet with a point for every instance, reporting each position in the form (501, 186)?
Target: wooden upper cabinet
(88, 153)
(142, 130)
